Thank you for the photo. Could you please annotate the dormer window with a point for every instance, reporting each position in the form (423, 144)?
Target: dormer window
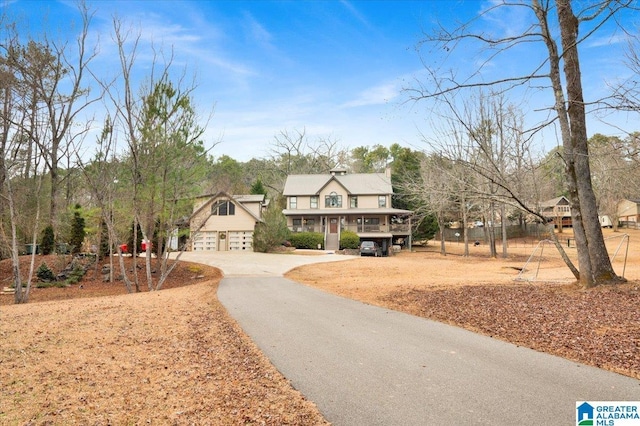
(333, 200)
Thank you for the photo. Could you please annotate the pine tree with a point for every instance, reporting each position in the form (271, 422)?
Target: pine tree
(258, 188)
(104, 240)
(272, 232)
(77, 231)
(47, 241)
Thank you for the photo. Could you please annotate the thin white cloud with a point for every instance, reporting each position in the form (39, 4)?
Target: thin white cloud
(194, 42)
(376, 95)
(507, 20)
(355, 13)
(608, 41)
(257, 32)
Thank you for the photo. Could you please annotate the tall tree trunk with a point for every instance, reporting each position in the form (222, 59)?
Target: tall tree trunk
(503, 228)
(586, 220)
(53, 202)
(585, 276)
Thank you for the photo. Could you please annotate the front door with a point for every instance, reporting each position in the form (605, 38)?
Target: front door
(222, 241)
(333, 225)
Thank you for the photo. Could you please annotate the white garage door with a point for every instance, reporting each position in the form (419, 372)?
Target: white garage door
(205, 240)
(240, 240)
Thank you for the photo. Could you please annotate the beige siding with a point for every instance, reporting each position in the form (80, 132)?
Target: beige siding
(253, 208)
(627, 210)
(304, 202)
(368, 202)
(333, 186)
(239, 221)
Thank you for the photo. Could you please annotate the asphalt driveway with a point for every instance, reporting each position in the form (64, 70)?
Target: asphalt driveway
(364, 365)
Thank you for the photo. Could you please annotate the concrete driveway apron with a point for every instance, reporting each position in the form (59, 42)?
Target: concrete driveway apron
(365, 365)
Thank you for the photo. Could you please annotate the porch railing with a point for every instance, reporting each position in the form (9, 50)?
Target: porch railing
(398, 228)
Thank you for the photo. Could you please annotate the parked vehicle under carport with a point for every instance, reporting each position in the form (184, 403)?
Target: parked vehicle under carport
(370, 248)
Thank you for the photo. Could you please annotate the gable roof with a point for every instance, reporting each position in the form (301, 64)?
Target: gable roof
(249, 198)
(558, 201)
(240, 200)
(356, 184)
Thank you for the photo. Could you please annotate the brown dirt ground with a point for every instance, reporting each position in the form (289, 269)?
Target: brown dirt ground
(175, 356)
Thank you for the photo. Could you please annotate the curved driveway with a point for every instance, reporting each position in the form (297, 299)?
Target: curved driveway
(364, 365)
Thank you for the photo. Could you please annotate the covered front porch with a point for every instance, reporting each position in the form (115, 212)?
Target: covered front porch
(386, 229)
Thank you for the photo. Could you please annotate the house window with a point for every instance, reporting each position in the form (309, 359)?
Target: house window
(333, 200)
(314, 202)
(382, 201)
(293, 202)
(354, 201)
(223, 208)
(297, 225)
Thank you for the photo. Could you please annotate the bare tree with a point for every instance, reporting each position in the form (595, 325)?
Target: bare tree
(561, 69)
(433, 193)
(17, 192)
(483, 137)
(57, 76)
(293, 152)
(101, 177)
(614, 173)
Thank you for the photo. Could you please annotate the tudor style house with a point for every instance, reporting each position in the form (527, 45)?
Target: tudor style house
(223, 222)
(338, 201)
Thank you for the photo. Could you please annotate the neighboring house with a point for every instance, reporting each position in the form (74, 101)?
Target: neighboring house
(629, 213)
(558, 211)
(331, 203)
(223, 222)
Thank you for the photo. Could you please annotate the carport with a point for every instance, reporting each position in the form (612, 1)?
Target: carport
(383, 239)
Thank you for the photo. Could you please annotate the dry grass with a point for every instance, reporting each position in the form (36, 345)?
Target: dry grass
(167, 357)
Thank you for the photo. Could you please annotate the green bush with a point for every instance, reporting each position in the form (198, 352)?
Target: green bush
(307, 240)
(75, 276)
(44, 273)
(349, 240)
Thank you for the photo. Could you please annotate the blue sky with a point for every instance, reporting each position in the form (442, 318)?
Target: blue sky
(334, 68)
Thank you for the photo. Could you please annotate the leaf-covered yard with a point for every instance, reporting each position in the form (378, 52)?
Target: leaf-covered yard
(94, 355)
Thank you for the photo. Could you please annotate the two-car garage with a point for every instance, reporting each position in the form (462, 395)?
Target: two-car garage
(226, 223)
(223, 240)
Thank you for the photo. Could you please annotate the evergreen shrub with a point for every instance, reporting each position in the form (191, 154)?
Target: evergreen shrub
(306, 240)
